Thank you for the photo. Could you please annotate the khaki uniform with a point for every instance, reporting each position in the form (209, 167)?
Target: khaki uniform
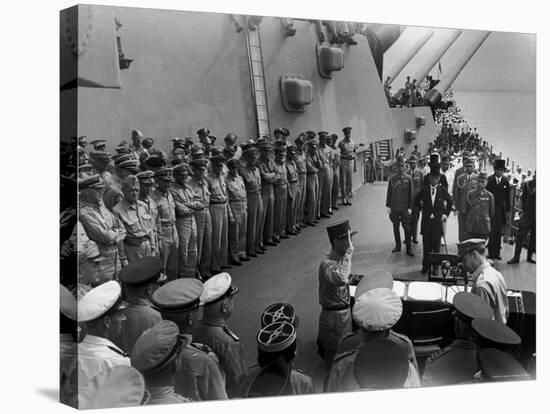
(219, 214)
(228, 347)
(335, 318)
(301, 169)
(187, 230)
(113, 192)
(325, 179)
(399, 199)
(280, 189)
(464, 184)
(152, 210)
(252, 182)
(481, 209)
(454, 364)
(268, 175)
(201, 197)
(336, 164)
(169, 241)
(108, 232)
(293, 194)
(312, 186)
(164, 395)
(139, 228)
(236, 191)
(489, 284)
(199, 375)
(347, 156)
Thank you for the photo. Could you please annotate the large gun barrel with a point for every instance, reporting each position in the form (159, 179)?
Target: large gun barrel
(433, 96)
(387, 34)
(400, 65)
(430, 63)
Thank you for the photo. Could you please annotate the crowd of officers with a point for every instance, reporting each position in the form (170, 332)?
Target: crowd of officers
(206, 208)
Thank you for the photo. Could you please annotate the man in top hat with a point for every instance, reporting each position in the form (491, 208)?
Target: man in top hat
(199, 375)
(465, 183)
(418, 181)
(488, 283)
(154, 355)
(213, 331)
(375, 311)
(348, 158)
(237, 195)
(266, 164)
(101, 310)
(275, 373)
(136, 146)
(527, 222)
(334, 297)
(301, 169)
(399, 202)
(292, 225)
(168, 235)
(336, 162)
(434, 161)
(374, 279)
(481, 210)
(313, 165)
(457, 362)
(201, 196)
(280, 191)
(133, 213)
(254, 207)
(436, 204)
(185, 221)
(140, 280)
(146, 186)
(102, 227)
(219, 212)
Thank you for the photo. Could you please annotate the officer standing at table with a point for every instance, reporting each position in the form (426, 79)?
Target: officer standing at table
(199, 375)
(213, 331)
(499, 186)
(399, 201)
(140, 278)
(154, 355)
(458, 362)
(334, 297)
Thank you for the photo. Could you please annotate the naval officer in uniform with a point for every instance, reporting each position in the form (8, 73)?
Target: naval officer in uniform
(334, 297)
(213, 331)
(199, 375)
(154, 355)
(458, 362)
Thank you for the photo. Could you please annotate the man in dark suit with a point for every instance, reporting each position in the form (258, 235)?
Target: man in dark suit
(499, 186)
(436, 204)
(527, 222)
(434, 160)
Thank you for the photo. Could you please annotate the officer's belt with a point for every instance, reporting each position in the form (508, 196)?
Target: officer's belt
(136, 241)
(253, 191)
(302, 172)
(201, 209)
(347, 159)
(336, 307)
(218, 202)
(293, 181)
(312, 172)
(167, 223)
(181, 216)
(238, 200)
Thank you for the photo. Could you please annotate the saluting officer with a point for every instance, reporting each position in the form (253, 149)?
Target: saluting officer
(280, 189)
(418, 181)
(185, 221)
(499, 186)
(312, 182)
(133, 213)
(146, 187)
(102, 227)
(154, 355)
(236, 192)
(399, 201)
(169, 241)
(348, 158)
(465, 183)
(199, 375)
(481, 209)
(275, 373)
(213, 331)
(457, 362)
(253, 183)
(141, 278)
(334, 297)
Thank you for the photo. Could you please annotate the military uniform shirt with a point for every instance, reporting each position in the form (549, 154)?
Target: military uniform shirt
(252, 178)
(454, 364)
(417, 178)
(140, 316)
(164, 395)
(280, 170)
(301, 162)
(489, 284)
(481, 210)
(267, 171)
(334, 280)
(183, 198)
(136, 220)
(292, 173)
(399, 196)
(201, 193)
(312, 162)
(165, 206)
(101, 225)
(217, 187)
(464, 184)
(347, 149)
(236, 188)
(228, 347)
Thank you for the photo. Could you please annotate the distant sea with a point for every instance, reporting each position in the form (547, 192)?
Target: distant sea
(505, 119)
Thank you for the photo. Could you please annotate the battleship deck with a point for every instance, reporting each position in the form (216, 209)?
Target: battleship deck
(289, 272)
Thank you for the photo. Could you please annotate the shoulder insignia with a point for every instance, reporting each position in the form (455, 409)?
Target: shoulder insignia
(344, 354)
(231, 333)
(200, 347)
(118, 351)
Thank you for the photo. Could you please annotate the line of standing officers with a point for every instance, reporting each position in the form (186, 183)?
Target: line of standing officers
(206, 208)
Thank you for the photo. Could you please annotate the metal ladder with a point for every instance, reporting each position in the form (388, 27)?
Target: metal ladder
(257, 78)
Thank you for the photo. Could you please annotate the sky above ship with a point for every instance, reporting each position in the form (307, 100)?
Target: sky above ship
(505, 61)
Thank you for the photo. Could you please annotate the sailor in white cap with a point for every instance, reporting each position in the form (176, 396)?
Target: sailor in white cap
(487, 281)
(101, 312)
(376, 311)
(374, 279)
(275, 373)
(213, 331)
(119, 386)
